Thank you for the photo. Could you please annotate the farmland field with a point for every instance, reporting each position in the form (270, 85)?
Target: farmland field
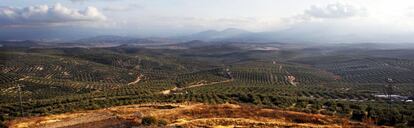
(342, 84)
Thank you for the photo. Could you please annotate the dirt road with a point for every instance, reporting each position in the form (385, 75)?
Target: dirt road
(169, 91)
(136, 80)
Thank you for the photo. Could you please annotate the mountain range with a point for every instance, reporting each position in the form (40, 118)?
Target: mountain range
(298, 34)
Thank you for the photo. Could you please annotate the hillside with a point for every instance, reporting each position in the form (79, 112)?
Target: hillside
(304, 78)
(186, 115)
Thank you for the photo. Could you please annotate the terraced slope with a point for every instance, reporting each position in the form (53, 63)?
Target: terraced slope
(57, 80)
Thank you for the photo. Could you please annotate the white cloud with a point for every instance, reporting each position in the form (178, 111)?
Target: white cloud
(333, 11)
(349, 23)
(410, 12)
(47, 15)
(115, 8)
(336, 10)
(77, 0)
(83, 1)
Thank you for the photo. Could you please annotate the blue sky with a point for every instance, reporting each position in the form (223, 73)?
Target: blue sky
(364, 18)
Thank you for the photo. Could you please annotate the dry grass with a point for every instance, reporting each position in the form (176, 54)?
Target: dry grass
(187, 115)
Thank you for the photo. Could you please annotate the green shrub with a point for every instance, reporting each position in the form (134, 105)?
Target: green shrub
(2, 125)
(357, 115)
(149, 120)
(162, 122)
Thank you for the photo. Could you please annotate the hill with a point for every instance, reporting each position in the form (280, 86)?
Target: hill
(186, 115)
(339, 81)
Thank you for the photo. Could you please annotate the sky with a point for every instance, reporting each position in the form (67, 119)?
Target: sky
(343, 20)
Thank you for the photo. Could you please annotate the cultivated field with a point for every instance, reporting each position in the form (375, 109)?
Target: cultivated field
(324, 81)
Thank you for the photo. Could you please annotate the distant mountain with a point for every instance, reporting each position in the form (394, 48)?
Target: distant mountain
(25, 43)
(104, 38)
(121, 40)
(332, 33)
(231, 35)
(214, 35)
(97, 41)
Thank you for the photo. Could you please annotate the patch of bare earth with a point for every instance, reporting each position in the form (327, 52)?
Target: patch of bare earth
(187, 115)
(198, 84)
(136, 80)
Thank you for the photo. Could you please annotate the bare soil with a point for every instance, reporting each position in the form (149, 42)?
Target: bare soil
(136, 80)
(198, 84)
(186, 115)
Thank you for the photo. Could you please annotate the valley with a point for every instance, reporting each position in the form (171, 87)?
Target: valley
(97, 84)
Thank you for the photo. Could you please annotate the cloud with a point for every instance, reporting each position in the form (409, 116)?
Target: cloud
(78, 0)
(203, 23)
(47, 15)
(348, 23)
(82, 1)
(410, 12)
(336, 10)
(129, 7)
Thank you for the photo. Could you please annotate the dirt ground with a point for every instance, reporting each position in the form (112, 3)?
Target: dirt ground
(185, 115)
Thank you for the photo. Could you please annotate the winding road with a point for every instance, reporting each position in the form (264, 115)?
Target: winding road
(169, 91)
(137, 80)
